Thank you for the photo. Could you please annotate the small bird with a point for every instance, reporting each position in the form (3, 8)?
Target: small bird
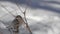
(18, 21)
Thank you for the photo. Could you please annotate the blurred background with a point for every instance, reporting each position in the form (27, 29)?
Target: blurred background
(43, 16)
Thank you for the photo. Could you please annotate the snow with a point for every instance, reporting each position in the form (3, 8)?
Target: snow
(44, 20)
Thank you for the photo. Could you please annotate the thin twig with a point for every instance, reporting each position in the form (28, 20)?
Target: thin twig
(7, 10)
(19, 8)
(27, 22)
(3, 15)
(24, 13)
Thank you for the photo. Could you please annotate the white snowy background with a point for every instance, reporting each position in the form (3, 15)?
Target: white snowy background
(43, 16)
